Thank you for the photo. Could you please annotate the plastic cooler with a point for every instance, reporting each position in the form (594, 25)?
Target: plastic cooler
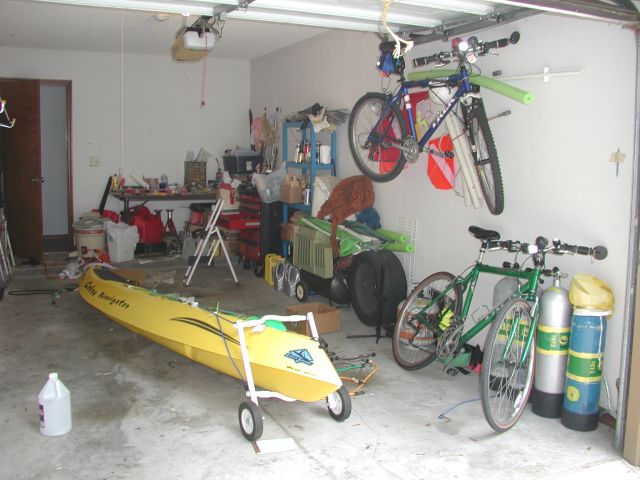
(121, 241)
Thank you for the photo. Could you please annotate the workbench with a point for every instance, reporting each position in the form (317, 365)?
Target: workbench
(143, 198)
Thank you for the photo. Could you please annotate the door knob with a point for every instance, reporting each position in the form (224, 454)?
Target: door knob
(37, 179)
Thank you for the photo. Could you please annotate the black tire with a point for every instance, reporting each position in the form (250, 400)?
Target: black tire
(251, 423)
(414, 341)
(395, 286)
(376, 152)
(258, 270)
(302, 292)
(341, 409)
(485, 156)
(504, 387)
(366, 287)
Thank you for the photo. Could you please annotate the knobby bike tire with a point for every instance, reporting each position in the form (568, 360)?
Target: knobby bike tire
(485, 156)
(374, 151)
(505, 388)
(414, 342)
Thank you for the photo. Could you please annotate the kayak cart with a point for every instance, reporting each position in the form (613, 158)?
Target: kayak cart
(249, 413)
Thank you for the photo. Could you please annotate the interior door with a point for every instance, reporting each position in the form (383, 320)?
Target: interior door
(20, 154)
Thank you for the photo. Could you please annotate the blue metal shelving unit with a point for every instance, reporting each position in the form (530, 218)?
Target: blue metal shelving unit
(307, 169)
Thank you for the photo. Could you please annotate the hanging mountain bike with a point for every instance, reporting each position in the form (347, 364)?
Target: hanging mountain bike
(382, 131)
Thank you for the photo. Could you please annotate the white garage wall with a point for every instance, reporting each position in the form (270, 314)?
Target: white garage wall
(554, 153)
(162, 117)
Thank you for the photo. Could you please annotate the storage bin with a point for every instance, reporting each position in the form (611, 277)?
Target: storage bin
(121, 241)
(89, 235)
(241, 161)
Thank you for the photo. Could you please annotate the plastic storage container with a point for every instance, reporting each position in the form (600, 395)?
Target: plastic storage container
(55, 407)
(89, 235)
(121, 241)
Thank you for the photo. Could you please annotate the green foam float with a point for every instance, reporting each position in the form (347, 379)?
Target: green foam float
(497, 86)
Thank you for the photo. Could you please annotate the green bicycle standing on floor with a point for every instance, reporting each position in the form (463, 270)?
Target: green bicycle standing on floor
(431, 324)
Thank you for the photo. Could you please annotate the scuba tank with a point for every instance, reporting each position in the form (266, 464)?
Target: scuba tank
(552, 348)
(592, 300)
(505, 287)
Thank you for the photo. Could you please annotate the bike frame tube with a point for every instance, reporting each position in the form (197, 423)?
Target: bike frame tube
(464, 86)
(468, 284)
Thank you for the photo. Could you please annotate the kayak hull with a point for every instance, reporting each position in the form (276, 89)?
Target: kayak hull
(285, 362)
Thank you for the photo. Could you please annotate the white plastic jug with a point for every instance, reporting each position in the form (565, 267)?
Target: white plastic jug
(55, 407)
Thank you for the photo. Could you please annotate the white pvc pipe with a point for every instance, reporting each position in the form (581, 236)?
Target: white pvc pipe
(465, 158)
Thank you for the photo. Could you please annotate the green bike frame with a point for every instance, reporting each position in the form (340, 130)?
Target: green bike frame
(527, 292)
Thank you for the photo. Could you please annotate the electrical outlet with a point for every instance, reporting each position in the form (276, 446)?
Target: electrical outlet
(94, 160)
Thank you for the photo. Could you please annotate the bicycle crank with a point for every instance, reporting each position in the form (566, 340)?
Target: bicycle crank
(411, 149)
(449, 340)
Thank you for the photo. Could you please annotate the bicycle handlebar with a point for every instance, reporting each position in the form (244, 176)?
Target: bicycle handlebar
(541, 245)
(465, 50)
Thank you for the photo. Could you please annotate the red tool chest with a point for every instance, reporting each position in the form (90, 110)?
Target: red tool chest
(259, 226)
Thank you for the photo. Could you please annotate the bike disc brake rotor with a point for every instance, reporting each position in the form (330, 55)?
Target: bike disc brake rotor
(411, 149)
(449, 341)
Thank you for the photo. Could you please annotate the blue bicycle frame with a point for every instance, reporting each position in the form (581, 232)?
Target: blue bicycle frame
(464, 86)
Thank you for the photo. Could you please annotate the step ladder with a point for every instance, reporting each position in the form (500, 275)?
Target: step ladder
(211, 240)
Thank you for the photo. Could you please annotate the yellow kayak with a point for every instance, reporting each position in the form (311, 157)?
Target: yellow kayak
(285, 362)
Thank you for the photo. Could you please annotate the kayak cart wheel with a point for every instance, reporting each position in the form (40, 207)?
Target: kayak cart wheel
(339, 404)
(250, 418)
(302, 292)
(258, 270)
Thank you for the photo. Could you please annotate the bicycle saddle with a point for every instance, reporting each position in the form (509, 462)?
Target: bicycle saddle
(482, 234)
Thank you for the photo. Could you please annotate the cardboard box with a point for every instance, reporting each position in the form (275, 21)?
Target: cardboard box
(291, 189)
(327, 318)
(288, 231)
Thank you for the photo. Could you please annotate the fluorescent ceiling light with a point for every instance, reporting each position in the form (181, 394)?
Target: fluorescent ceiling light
(324, 10)
(474, 8)
(184, 8)
(309, 20)
(363, 15)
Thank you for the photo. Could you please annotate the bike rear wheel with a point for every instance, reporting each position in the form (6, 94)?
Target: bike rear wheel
(485, 156)
(505, 381)
(420, 322)
(375, 134)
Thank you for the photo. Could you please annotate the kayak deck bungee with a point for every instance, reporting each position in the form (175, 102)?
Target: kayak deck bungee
(281, 361)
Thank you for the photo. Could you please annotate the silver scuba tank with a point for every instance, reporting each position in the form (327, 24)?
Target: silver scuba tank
(505, 287)
(554, 324)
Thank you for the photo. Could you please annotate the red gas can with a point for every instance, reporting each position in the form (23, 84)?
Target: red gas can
(150, 227)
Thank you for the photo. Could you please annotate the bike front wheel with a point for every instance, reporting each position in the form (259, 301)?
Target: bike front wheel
(485, 157)
(507, 373)
(375, 137)
(427, 312)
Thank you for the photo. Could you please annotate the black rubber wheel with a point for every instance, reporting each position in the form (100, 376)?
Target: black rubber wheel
(374, 141)
(505, 384)
(371, 299)
(341, 408)
(258, 270)
(302, 291)
(485, 156)
(420, 321)
(251, 423)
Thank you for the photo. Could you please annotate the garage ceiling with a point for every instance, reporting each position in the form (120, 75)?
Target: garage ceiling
(253, 28)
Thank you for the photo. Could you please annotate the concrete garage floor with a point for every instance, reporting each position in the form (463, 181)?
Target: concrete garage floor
(143, 412)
